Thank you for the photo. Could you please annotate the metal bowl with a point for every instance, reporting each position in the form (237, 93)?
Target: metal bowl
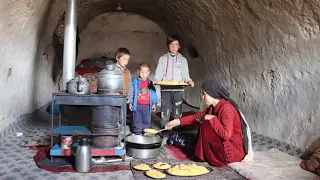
(143, 147)
(141, 139)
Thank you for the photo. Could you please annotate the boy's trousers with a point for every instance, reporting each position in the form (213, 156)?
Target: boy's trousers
(170, 100)
(141, 118)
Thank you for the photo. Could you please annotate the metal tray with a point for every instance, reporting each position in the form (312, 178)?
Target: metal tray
(209, 168)
(160, 84)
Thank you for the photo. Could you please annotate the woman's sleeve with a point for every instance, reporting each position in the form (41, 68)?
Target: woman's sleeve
(191, 119)
(223, 125)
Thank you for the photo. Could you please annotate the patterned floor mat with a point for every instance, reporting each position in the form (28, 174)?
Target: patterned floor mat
(16, 162)
(38, 137)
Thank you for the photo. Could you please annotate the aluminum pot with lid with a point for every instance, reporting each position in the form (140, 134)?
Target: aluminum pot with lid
(143, 147)
(110, 80)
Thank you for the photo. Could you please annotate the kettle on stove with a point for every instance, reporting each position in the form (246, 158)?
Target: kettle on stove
(110, 80)
(79, 85)
(83, 162)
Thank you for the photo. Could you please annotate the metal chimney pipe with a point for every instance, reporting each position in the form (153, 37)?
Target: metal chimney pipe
(69, 47)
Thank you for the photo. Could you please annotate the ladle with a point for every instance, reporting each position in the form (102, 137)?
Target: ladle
(150, 133)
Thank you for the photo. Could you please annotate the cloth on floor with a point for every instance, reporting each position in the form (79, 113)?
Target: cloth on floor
(178, 153)
(65, 164)
(312, 164)
(272, 165)
(183, 139)
(217, 173)
(38, 137)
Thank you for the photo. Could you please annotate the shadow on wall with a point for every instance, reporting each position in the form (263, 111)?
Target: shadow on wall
(40, 32)
(57, 41)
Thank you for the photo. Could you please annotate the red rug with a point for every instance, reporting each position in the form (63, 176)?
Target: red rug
(65, 164)
(181, 154)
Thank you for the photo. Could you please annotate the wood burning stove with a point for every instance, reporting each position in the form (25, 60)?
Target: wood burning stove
(105, 120)
(109, 118)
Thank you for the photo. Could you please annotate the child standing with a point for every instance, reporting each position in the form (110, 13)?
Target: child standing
(172, 66)
(143, 99)
(122, 57)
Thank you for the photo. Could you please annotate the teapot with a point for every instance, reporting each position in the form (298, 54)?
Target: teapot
(78, 85)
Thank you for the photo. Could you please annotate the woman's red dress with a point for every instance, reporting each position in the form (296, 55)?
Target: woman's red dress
(220, 139)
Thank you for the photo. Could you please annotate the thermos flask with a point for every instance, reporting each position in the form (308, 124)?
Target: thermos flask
(83, 156)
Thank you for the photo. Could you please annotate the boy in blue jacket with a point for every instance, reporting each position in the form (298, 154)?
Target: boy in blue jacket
(143, 99)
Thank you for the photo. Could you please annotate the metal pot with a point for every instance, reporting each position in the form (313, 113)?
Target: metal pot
(110, 80)
(143, 147)
(78, 85)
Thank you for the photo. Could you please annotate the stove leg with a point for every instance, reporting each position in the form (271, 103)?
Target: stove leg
(123, 158)
(59, 118)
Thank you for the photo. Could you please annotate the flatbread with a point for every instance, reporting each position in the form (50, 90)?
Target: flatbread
(155, 174)
(142, 167)
(188, 170)
(151, 131)
(161, 165)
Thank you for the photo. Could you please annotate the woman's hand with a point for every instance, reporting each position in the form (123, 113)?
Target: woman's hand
(173, 123)
(154, 108)
(130, 107)
(191, 83)
(208, 117)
